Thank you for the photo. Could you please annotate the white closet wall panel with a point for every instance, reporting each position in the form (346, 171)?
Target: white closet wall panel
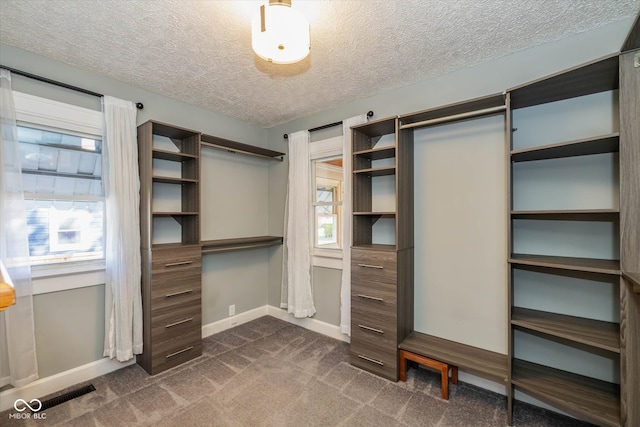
(460, 232)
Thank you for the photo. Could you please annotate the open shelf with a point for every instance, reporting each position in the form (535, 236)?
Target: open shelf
(377, 153)
(568, 214)
(594, 333)
(172, 180)
(241, 243)
(376, 247)
(172, 155)
(597, 76)
(384, 171)
(377, 214)
(591, 265)
(593, 400)
(240, 148)
(580, 147)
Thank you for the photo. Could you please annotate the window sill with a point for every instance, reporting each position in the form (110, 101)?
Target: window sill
(56, 278)
(327, 258)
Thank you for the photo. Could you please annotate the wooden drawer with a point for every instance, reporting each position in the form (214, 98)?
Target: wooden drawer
(374, 266)
(165, 324)
(176, 350)
(375, 359)
(363, 292)
(385, 322)
(168, 260)
(175, 289)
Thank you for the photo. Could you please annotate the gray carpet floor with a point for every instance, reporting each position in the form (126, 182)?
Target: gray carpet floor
(271, 373)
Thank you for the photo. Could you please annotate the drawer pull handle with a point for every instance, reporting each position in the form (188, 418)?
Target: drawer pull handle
(171, 325)
(368, 359)
(169, 356)
(176, 294)
(370, 297)
(378, 267)
(368, 328)
(176, 264)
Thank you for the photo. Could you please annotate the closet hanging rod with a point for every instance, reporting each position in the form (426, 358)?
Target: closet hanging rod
(330, 125)
(454, 117)
(139, 105)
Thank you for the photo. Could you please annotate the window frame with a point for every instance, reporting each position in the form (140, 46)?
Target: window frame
(325, 149)
(58, 116)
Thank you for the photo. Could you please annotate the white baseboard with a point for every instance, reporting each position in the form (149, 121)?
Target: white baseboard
(48, 385)
(315, 325)
(230, 322)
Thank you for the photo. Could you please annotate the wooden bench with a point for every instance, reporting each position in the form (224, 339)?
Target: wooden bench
(441, 354)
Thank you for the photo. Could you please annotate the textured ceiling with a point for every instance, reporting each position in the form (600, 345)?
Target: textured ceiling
(200, 52)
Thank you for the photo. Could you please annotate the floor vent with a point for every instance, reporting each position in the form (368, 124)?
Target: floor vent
(50, 403)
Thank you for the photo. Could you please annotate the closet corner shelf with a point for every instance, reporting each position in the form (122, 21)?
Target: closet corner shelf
(567, 214)
(590, 332)
(376, 214)
(240, 148)
(580, 147)
(376, 247)
(590, 265)
(384, 171)
(634, 278)
(172, 155)
(594, 400)
(237, 244)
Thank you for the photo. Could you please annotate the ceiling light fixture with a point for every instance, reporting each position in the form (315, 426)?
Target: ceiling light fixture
(280, 34)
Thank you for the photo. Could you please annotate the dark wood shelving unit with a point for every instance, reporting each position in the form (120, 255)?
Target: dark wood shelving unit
(594, 333)
(377, 153)
(587, 398)
(382, 171)
(580, 147)
(241, 243)
(568, 214)
(591, 265)
(240, 148)
(172, 180)
(172, 155)
(634, 278)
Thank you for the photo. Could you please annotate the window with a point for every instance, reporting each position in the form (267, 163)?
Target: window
(61, 177)
(328, 203)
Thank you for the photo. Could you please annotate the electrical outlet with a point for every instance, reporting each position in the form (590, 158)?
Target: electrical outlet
(232, 310)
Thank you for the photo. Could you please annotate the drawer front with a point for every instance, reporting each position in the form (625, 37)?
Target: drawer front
(373, 266)
(380, 328)
(380, 361)
(169, 323)
(175, 351)
(167, 260)
(175, 289)
(377, 294)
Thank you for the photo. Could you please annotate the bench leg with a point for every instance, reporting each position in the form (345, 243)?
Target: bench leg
(454, 374)
(444, 370)
(403, 365)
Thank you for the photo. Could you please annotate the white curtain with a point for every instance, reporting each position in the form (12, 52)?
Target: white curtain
(347, 210)
(123, 303)
(18, 365)
(296, 293)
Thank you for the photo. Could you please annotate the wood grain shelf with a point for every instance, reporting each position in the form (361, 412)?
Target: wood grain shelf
(377, 153)
(384, 171)
(591, 265)
(376, 128)
(380, 214)
(581, 147)
(241, 243)
(175, 213)
(594, 333)
(592, 400)
(172, 180)
(455, 109)
(240, 148)
(596, 76)
(474, 360)
(172, 155)
(568, 214)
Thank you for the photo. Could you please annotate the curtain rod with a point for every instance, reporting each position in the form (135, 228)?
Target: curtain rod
(330, 125)
(139, 105)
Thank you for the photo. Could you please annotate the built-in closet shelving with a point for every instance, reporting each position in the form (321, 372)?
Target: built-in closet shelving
(171, 249)
(382, 250)
(586, 397)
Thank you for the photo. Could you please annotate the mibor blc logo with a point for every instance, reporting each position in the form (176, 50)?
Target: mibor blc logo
(34, 405)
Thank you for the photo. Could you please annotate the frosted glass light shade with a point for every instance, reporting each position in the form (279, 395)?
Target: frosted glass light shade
(280, 34)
